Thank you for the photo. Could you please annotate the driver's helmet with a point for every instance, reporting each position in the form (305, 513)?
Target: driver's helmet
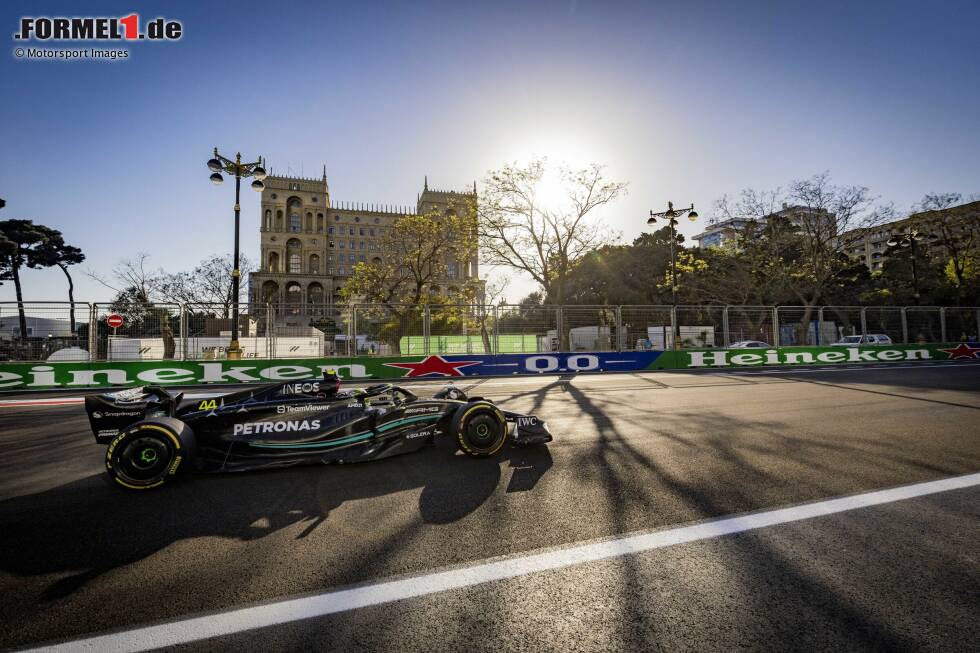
(331, 381)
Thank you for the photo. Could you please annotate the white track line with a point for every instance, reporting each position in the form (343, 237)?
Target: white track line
(261, 616)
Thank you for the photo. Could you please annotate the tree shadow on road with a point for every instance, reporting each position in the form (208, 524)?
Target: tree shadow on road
(727, 466)
(88, 527)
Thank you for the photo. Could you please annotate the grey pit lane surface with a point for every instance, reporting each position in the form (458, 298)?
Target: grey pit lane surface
(632, 452)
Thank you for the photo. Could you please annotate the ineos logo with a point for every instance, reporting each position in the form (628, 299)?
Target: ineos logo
(300, 388)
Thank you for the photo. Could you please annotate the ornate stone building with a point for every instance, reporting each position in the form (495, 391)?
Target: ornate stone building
(310, 244)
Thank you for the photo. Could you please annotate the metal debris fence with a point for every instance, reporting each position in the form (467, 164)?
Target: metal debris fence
(59, 331)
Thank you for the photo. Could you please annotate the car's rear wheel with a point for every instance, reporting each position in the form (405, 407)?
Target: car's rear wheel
(480, 429)
(149, 454)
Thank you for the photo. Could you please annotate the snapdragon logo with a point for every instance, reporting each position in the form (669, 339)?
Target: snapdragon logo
(97, 28)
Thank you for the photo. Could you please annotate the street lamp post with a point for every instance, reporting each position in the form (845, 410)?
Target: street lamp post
(909, 239)
(670, 216)
(241, 171)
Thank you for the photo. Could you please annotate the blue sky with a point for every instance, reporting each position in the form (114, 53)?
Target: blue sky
(685, 101)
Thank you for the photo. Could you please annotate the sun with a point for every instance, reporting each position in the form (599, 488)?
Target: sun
(551, 192)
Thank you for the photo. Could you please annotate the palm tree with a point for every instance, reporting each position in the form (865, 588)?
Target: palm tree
(20, 246)
(54, 251)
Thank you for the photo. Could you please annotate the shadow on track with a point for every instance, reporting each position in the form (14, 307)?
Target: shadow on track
(88, 527)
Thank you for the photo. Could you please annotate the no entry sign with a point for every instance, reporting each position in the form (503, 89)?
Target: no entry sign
(115, 321)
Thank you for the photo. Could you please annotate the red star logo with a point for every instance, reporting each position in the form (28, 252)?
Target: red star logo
(434, 365)
(962, 350)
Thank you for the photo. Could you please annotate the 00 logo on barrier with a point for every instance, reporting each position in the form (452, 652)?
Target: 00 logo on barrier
(574, 362)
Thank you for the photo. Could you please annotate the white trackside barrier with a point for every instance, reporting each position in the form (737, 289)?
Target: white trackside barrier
(213, 348)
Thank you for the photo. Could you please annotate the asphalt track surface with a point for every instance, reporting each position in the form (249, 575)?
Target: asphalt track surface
(633, 453)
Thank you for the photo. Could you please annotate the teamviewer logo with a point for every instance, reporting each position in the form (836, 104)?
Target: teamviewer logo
(127, 28)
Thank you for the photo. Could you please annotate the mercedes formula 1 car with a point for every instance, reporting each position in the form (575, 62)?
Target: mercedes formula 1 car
(153, 434)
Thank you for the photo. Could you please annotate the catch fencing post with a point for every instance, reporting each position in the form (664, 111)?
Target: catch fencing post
(864, 320)
(352, 336)
(496, 330)
(93, 332)
(558, 324)
(182, 330)
(724, 327)
(942, 324)
(268, 329)
(673, 327)
(619, 328)
(819, 325)
(775, 326)
(905, 325)
(426, 325)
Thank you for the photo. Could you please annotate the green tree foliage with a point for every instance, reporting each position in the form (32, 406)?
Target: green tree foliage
(415, 268)
(624, 274)
(24, 244)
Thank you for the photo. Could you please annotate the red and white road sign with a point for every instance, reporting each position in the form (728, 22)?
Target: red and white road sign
(115, 321)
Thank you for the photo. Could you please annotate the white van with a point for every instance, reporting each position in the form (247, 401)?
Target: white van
(866, 339)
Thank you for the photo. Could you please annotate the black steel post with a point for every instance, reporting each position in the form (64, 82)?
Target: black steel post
(915, 275)
(673, 282)
(234, 349)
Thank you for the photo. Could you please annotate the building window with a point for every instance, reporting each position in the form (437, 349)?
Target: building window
(351, 258)
(336, 218)
(376, 220)
(361, 231)
(294, 222)
(340, 270)
(352, 245)
(452, 270)
(293, 259)
(362, 244)
(357, 219)
(372, 232)
(352, 231)
(315, 264)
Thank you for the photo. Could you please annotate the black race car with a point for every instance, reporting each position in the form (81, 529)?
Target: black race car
(154, 434)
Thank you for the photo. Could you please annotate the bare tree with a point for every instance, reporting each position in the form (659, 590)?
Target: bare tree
(209, 284)
(831, 220)
(806, 232)
(130, 276)
(956, 227)
(519, 231)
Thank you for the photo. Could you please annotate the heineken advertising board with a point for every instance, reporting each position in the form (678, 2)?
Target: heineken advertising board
(68, 375)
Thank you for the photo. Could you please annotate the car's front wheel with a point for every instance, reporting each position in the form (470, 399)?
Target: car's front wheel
(480, 429)
(149, 454)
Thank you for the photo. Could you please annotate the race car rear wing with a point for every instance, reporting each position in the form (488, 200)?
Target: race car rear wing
(110, 413)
